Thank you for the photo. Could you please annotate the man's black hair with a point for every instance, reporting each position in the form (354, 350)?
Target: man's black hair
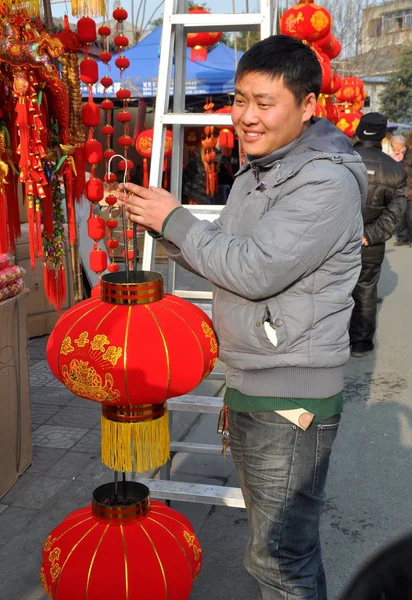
(282, 55)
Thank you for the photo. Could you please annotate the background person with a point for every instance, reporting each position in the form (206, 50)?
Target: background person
(382, 214)
(401, 153)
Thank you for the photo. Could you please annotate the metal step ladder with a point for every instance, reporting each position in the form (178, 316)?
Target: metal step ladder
(176, 25)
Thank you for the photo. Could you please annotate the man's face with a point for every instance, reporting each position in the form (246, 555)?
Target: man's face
(265, 114)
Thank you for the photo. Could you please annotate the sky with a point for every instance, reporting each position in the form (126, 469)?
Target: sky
(60, 7)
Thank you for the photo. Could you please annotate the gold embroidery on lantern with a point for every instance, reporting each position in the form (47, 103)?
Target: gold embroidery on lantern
(190, 539)
(99, 342)
(55, 571)
(49, 543)
(66, 346)
(83, 339)
(54, 555)
(84, 381)
(319, 20)
(343, 124)
(209, 333)
(113, 354)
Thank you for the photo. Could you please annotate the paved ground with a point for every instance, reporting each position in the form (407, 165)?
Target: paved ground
(368, 490)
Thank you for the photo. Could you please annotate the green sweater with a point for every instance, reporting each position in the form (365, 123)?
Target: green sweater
(322, 408)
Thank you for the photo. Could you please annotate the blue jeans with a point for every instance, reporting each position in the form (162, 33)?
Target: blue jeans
(282, 471)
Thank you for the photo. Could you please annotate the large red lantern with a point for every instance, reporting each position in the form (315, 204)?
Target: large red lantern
(121, 548)
(130, 350)
(306, 21)
(199, 41)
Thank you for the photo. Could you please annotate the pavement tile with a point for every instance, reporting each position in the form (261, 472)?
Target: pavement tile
(69, 466)
(37, 493)
(55, 436)
(3, 507)
(14, 521)
(58, 396)
(90, 443)
(40, 375)
(75, 417)
(23, 482)
(83, 403)
(40, 413)
(44, 458)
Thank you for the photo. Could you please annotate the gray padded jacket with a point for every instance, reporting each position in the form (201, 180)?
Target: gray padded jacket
(284, 257)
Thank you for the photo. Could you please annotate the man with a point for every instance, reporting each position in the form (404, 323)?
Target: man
(401, 153)
(284, 257)
(382, 215)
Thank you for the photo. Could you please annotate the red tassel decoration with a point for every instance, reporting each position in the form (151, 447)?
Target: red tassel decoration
(145, 174)
(4, 243)
(39, 239)
(23, 124)
(32, 240)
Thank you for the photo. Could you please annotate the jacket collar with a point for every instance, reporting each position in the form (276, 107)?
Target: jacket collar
(368, 144)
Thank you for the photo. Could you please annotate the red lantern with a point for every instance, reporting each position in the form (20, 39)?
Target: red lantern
(306, 21)
(89, 72)
(200, 40)
(86, 30)
(123, 94)
(122, 63)
(121, 41)
(96, 228)
(333, 49)
(125, 140)
(91, 114)
(98, 260)
(325, 68)
(104, 31)
(120, 14)
(226, 134)
(350, 88)
(108, 153)
(144, 143)
(105, 57)
(107, 104)
(108, 130)
(106, 81)
(122, 547)
(124, 117)
(348, 122)
(93, 152)
(131, 351)
(320, 111)
(94, 190)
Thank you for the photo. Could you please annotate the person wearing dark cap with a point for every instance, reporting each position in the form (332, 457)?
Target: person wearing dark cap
(382, 214)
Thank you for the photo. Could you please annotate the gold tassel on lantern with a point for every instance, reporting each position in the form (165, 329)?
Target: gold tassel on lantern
(135, 439)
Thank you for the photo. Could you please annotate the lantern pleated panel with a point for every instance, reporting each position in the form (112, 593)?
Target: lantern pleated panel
(131, 549)
(306, 21)
(130, 350)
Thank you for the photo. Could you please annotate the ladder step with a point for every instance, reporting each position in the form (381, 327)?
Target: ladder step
(192, 448)
(201, 119)
(194, 492)
(191, 403)
(218, 22)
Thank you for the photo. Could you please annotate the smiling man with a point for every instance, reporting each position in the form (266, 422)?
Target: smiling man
(284, 257)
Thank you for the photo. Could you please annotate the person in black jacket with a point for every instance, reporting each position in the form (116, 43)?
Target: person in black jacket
(382, 214)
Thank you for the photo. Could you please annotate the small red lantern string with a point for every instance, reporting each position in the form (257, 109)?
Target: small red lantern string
(198, 42)
(93, 151)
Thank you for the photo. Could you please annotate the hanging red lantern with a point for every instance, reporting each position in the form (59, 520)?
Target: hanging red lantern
(143, 145)
(107, 104)
(91, 114)
(131, 351)
(105, 57)
(320, 111)
(120, 14)
(306, 21)
(325, 68)
(226, 133)
(94, 190)
(89, 72)
(104, 31)
(332, 49)
(348, 91)
(121, 41)
(86, 30)
(348, 122)
(93, 152)
(199, 41)
(123, 546)
(106, 81)
(123, 94)
(124, 116)
(122, 63)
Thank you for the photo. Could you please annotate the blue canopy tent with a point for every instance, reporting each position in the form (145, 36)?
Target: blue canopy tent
(213, 76)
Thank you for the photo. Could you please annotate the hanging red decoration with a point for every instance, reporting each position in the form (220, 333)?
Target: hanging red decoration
(348, 122)
(89, 72)
(306, 21)
(120, 14)
(97, 358)
(151, 549)
(106, 81)
(121, 41)
(105, 57)
(107, 104)
(86, 30)
(104, 31)
(226, 133)
(198, 42)
(122, 63)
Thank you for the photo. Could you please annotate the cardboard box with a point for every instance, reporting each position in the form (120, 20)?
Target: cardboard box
(41, 316)
(15, 422)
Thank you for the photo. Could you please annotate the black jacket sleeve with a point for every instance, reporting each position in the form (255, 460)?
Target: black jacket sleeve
(383, 228)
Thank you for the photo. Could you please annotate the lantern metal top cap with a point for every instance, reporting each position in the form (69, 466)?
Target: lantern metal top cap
(143, 287)
(134, 504)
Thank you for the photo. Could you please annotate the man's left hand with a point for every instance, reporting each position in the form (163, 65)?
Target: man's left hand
(146, 207)
(365, 241)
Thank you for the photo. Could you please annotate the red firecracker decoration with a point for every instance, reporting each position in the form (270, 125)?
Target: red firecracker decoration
(198, 42)
(208, 152)
(130, 351)
(123, 546)
(306, 21)
(226, 134)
